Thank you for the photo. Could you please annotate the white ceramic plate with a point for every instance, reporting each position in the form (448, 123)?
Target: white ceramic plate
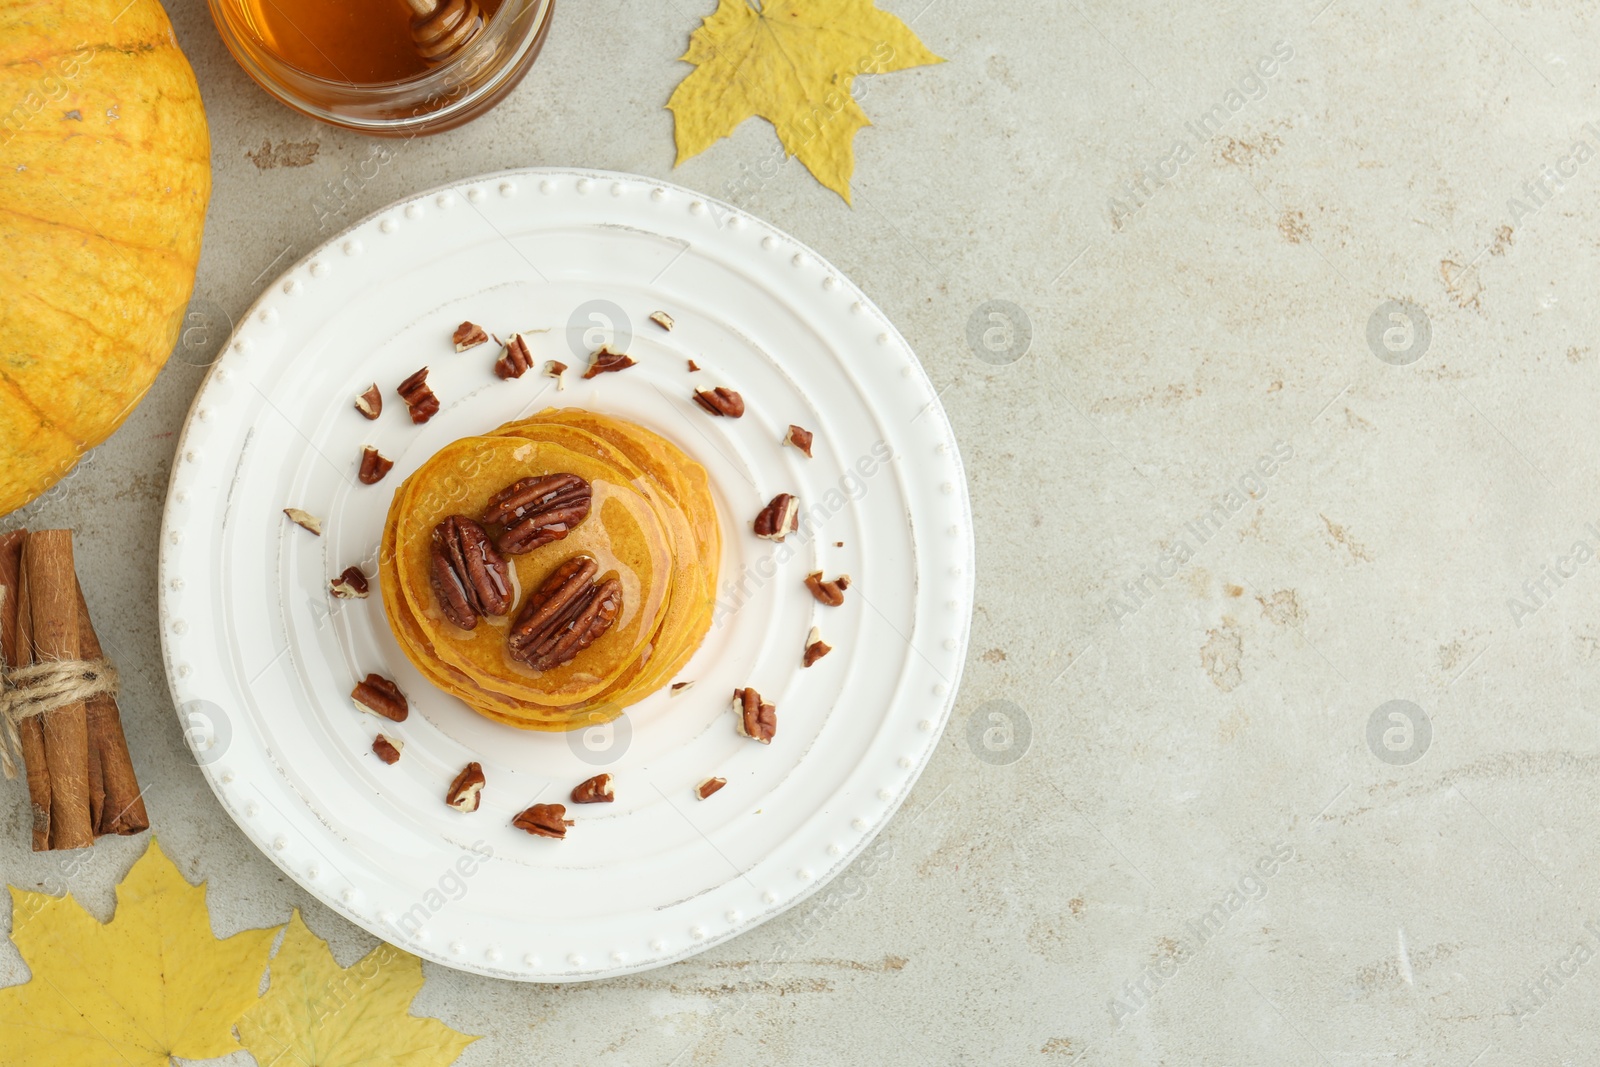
(262, 660)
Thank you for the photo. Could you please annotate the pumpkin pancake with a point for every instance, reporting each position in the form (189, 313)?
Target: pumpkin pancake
(511, 711)
(697, 537)
(622, 532)
(651, 525)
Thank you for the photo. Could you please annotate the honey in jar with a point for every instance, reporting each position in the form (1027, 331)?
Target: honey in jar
(360, 42)
(359, 63)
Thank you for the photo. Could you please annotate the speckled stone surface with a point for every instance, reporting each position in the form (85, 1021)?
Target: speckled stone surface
(1267, 331)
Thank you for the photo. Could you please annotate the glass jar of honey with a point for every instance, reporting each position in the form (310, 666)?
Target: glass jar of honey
(352, 63)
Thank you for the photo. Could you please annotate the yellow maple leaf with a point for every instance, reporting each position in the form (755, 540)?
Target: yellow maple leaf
(319, 1014)
(793, 63)
(153, 983)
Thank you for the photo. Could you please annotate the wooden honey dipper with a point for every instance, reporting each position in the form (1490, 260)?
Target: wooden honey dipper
(441, 28)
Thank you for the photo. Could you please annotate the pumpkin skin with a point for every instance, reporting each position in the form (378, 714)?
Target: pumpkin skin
(105, 173)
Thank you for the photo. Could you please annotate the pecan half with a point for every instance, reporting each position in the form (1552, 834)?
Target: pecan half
(756, 720)
(544, 820)
(418, 397)
(779, 518)
(468, 575)
(387, 748)
(607, 361)
(816, 648)
(370, 403)
(829, 593)
(596, 790)
(381, 697)
(515, 360)
(469, 335)
(707, 786)
(720, 401)
(537, 511)
(305, 520)
(351, 585)
(662, 319)
(801, 438)
(565, 615)
(374, 465)
(466, 792)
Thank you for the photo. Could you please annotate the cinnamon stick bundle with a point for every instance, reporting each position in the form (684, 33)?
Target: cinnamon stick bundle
(81, 781)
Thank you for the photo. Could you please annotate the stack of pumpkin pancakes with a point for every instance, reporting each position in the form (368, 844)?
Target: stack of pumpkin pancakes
(650, 529)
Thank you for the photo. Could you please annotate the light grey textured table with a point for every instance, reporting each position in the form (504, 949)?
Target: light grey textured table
(1174, 818)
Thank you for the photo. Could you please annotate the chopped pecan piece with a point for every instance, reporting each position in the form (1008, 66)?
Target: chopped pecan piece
(469, 335)
(720, 401)
(515, 360)
(381, 697)
(679, 688)
(537, 511)
(755, 720)
(387, 748)
(419, 397)
(544, 820)
(693, 366)
(468, 575)
(779, 518)
(816, 648)
(305, 520)
(370, 403)
(607, 361)
(466, 792)
(801, 438)
(829, 593)
(374, 465)
(662, 319)
(565, 615)
(351, 585)
(707, 786)
(596, 790)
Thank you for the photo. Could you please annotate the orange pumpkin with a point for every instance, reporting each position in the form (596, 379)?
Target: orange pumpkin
(105, 172)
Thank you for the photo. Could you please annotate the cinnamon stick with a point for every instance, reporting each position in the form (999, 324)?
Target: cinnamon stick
(116, 806)
(32, 730)
(10, 571)
(16, 648)
(53, 603)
